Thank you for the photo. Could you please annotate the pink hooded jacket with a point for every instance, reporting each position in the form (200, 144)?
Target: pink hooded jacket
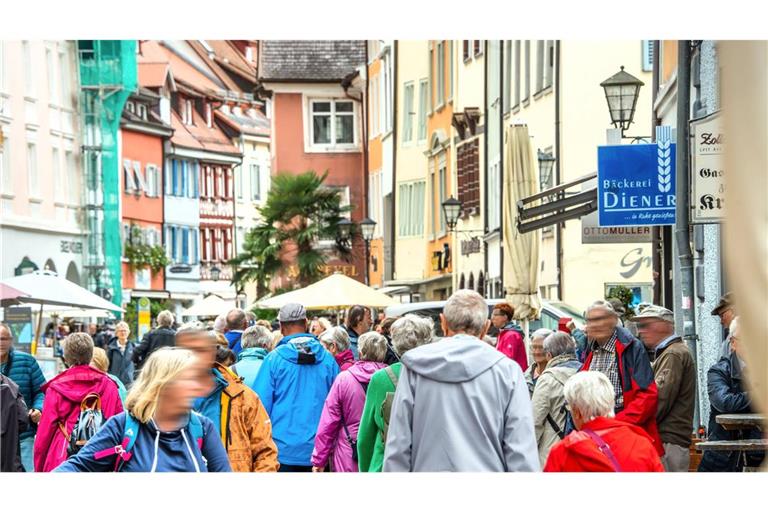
(346, 399)
(63, 395)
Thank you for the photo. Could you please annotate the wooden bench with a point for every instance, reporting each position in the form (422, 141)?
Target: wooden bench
(741, 421)
(737, 445)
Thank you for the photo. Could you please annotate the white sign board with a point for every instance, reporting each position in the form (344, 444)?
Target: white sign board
(707, 172)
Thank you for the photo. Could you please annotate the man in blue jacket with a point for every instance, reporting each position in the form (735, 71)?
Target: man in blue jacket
(293, 383)
(237, 322)
(23, 369)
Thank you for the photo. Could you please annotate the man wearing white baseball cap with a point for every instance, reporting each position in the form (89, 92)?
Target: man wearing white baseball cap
(675, 376)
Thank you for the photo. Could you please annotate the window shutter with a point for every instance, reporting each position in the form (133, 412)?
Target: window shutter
(647, 55)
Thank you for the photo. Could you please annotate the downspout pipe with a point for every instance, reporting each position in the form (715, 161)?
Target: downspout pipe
(656, 231)
(558, 175)
(682, 227)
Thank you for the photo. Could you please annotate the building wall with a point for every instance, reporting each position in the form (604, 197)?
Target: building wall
(41, 189)
(584, 120)
(411, 163)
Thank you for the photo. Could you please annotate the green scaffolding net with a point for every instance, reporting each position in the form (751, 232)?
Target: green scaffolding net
(108, 76)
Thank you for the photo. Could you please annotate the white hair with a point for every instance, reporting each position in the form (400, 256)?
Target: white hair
(324, 323)
(466, 311)
(165, 318)
(372, 346)
(734, 326)
(220, 324)
(591, 393)
(411, 331)
(257, 336)
(559, 343)
(541, 333)
(602, 304)
(337, 336)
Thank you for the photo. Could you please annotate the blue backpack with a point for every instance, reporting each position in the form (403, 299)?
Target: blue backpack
(131, 431)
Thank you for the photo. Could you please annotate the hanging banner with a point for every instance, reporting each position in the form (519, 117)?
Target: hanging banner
(145, 319)
(19, 320)
(707, 172)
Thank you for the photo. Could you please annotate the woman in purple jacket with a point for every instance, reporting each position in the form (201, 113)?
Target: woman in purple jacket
(336, 437)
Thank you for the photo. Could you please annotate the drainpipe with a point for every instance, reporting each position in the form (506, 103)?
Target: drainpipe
(502, 132)
(656, 231)
(558, 177)
(682, 228)
(393, 225)
(485, 165)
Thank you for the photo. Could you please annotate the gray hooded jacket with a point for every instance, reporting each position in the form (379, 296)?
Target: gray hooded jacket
(460, 405)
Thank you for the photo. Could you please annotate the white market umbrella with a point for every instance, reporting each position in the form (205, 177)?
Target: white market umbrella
(212, 305)
(335, 291)
(521, 251)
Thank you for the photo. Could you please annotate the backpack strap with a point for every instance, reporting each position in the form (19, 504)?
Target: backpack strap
(122, 450)
(552, 423)
(604, 448)
(392, 375)
(196, 429)
(226, 409)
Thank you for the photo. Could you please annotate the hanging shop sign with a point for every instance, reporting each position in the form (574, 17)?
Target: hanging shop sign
(707, 170)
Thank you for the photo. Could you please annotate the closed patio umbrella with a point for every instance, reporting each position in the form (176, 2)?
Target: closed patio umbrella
(212, 305)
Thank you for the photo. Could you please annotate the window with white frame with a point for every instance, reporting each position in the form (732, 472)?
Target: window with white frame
(442, 190)
(141, 111)
(53, 89)
(221, 186)
(478, 47)
(527, 73)
(58, 177)
(466, 49)
(450, 69)
(208, 115)
(230, 183)
(66, 79)
(518, 67)
(193, 171)
(34, 177)
(333, 122)
(374, 113)
(506, 91)
(5, 166)
(141, 184)
(249, 53)
(549, 63)
(29, 77)
(431, 78)
(73, 177)
(440, 54)
(411, 208)
(423, 106)
(494, 195)
(239, 181)
(130, 107)
(255, 182)
(540, 50)
(152, 180)
(409, 113)
(375, 201)
(387, 77)
(344, 199)
(186, 112)
(433, 220)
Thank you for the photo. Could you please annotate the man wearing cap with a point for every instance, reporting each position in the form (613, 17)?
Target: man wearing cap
(726, 312)
(293, 383)
(675, 377)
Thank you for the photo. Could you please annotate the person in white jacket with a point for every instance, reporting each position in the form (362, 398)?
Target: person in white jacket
(461, 405)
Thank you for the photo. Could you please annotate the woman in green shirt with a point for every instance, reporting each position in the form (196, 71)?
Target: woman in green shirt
(408, 332)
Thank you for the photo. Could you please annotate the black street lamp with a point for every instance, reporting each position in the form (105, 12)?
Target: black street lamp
(368, 226)
(546, 164)
(215, 273)
(345, 229)
(452, 211)
(621, 92)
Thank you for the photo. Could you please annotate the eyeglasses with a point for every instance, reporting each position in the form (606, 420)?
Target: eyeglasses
(598, 319)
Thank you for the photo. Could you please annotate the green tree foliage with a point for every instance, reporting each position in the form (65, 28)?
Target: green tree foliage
(299, 209)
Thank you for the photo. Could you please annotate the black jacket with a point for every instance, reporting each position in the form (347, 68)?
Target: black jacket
(727, 396)
(121, 363)
(153, 340)
(13, 420)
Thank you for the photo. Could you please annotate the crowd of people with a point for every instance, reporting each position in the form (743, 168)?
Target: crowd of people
(302, 395)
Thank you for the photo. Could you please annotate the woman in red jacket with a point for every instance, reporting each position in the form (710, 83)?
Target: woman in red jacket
(600, 442)
(510, 341)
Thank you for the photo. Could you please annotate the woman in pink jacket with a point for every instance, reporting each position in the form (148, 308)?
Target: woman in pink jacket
(63, 396)
(336, 437)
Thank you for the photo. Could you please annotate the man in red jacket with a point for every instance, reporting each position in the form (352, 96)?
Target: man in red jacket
(621, 357)
(601, 442)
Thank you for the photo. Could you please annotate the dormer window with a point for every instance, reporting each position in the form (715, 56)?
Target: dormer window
(186, 112)
(130, 106)
(141, 111)
(249, 53)
(208, 115)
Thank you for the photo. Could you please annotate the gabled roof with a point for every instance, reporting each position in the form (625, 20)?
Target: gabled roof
(256, 125)
(310, 60)
(227, 56)
(200, 136)
(203, 53)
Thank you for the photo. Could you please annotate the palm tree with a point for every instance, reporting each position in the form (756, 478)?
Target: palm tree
(298, 213)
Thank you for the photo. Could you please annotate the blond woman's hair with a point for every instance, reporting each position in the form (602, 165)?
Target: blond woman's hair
(161, 368)
(99, 360)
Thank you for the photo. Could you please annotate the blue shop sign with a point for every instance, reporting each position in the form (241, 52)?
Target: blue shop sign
(636, 185)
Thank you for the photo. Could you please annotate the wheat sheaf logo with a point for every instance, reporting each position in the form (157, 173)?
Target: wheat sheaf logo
(664, 160)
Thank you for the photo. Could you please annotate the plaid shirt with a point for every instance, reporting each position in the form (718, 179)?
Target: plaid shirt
(605, 360)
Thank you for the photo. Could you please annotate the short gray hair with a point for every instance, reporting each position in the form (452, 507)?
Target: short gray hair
(338, 336)
(591, 393)
(734, 326)
(372, 346)
(78, 349)
(257, 336)
(559, 343)
(603, 304)
(411, 331)
(220, 324)
(466, 311)
(541, 333)
(197, 329)
(165, 318)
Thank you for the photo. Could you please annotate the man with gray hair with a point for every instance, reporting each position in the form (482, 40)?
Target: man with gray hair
(161, 336)
(461, 405)
(621, 357)
(675, 376)
(237, 322)
(257, 343)
(549, 414)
